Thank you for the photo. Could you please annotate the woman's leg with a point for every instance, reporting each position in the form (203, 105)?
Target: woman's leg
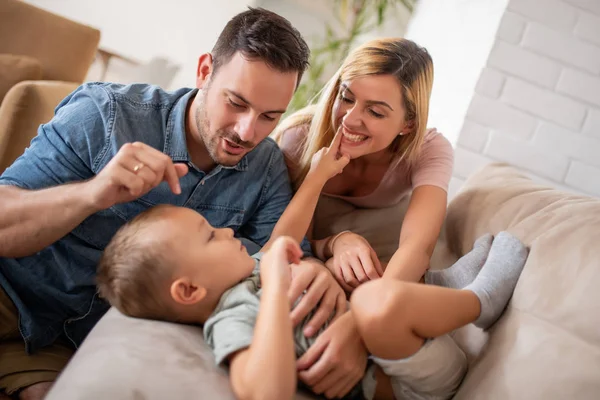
(394, 318)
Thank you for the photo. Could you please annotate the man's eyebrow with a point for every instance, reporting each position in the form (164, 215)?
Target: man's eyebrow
(239, 96)
(376, 102)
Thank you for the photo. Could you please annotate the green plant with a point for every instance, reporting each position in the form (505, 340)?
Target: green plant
(353, 18)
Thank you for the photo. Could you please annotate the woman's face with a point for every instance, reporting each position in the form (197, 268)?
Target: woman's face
(371, 113)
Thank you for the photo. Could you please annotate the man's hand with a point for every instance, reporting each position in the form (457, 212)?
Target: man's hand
(337, 360)
(134, 171)
(312, 276)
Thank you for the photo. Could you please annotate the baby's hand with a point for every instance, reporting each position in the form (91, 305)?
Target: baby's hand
(326, 164)
(275, 263)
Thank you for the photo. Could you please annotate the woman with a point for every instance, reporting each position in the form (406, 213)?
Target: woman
(379, 99)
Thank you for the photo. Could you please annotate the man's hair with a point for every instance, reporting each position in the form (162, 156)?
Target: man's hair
(133, 271)
(263, 35)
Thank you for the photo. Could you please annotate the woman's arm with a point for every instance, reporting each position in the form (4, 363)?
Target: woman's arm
(420, 231)
(297, 217)
(321, 247)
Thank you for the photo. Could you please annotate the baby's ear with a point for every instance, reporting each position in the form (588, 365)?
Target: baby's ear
(183, 291)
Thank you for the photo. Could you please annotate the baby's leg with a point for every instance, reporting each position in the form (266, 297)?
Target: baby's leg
(395, 318)
(495, 283)
(435, 372)
(464, 271)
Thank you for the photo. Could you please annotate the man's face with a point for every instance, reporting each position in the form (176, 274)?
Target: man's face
(240, 106)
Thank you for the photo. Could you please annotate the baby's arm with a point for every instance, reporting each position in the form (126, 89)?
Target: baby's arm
(267, 369)
(296, 218)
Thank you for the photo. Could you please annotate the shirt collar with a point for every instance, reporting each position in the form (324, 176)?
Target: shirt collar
(175, 142)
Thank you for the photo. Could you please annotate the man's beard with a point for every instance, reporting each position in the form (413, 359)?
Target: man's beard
(211, 141)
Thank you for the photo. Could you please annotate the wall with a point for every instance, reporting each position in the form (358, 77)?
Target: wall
(179, 30)
(537, 102)
(459, 35)
(310, 17)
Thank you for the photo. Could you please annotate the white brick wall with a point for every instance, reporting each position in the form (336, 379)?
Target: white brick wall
(564, 47)
(490, 83)
(588, 5)
(588, 28)
(511, 27)
(552, 13)
(537, 101)
(544, 104)
(592, 123)
(580, 85)
(522, 63)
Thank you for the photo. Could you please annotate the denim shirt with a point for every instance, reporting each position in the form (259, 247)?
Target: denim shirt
(54, 290)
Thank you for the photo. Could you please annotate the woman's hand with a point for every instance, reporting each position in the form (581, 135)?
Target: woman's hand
(354, 261)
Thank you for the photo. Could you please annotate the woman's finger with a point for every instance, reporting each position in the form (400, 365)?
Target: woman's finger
(358, 269)
(367, 263)
(348, 275)
(337, 273)
(376, 262)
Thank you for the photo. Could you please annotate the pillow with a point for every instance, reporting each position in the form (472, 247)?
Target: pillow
(547, 344)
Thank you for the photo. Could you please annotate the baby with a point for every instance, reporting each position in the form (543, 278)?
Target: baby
(170, 264)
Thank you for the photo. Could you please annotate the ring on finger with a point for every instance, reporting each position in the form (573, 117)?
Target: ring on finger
(138, 167)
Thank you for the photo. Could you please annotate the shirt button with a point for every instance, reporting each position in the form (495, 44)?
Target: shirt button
(202, 182)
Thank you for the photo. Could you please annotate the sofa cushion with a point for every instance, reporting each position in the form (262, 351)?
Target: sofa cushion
(27, 105)
(16, 68)
(547, 345)
(65, 48)
(131, 359)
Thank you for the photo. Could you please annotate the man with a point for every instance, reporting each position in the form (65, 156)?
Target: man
(112, 151)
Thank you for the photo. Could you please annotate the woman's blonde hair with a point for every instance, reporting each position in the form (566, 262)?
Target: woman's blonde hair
(409, 63)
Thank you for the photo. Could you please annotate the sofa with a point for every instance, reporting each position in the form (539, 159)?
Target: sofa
(546, 345)
(43, 57)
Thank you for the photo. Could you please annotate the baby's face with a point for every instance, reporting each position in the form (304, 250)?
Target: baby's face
(213, 256)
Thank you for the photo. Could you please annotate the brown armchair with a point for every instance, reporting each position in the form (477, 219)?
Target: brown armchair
(43, 57)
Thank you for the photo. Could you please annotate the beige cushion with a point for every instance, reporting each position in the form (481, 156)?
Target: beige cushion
(547, 345)
(65, 48)
(27, 105)
(16, 68)
(131, 359)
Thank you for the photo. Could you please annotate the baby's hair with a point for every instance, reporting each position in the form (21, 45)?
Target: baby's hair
(134, 272)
